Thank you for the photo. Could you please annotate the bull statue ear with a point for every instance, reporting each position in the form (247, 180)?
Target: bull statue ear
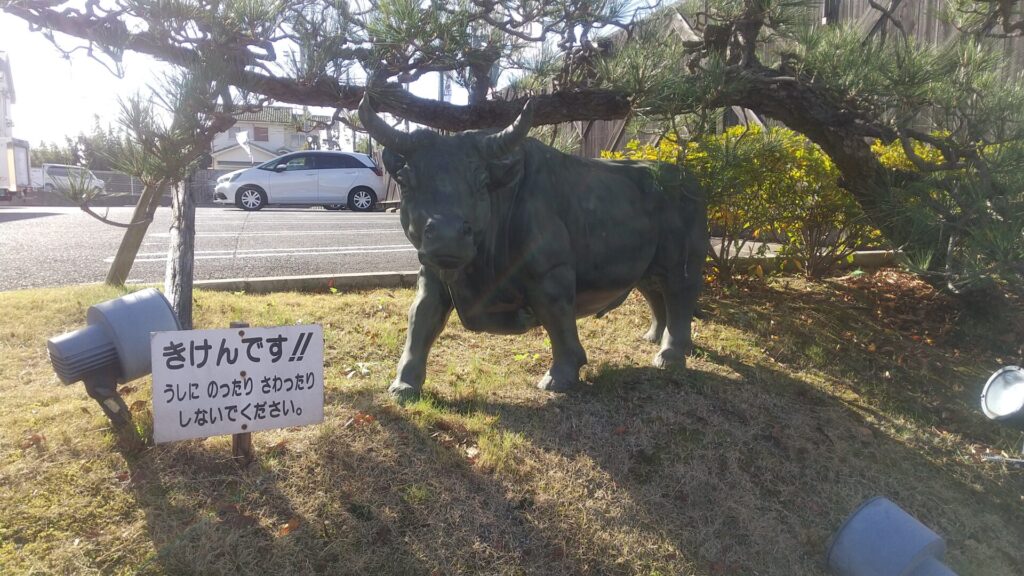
(505, 142)
(393, 162)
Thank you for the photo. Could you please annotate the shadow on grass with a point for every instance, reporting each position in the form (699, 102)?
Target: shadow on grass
(199, 508)
(380, 497)
(907, 348)
(752, 472)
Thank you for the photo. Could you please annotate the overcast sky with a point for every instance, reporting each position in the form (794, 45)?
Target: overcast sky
(58, 97)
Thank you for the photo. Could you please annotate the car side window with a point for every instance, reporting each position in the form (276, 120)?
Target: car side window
(57, 171)
(304, 162)
(337, 161)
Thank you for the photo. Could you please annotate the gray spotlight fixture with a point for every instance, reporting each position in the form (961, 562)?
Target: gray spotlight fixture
(1002, 400)
(113, 348)
(881, 539)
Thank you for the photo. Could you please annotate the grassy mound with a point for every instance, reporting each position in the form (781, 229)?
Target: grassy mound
(803, 400)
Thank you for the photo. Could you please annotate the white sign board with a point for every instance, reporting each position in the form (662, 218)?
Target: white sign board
(218, 382)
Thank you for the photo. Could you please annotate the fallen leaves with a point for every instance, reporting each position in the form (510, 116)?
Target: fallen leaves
(232, 515)
(360, 419)
(288, 527)
(359, 370)
(33, 440)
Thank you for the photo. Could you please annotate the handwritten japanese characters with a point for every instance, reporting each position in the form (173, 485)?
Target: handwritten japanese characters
(215, 382)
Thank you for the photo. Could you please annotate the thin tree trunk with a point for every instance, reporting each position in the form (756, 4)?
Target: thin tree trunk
(181, 254)
(149, 201)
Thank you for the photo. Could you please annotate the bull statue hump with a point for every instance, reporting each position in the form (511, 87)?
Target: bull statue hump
(513, 234)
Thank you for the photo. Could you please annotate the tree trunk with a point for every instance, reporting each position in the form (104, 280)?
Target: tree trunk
(181, 254)
(149, 201)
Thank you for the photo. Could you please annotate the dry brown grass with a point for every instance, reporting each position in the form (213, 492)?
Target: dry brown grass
(804, 400)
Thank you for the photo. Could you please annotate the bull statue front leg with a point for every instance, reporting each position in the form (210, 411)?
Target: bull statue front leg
(553, 300)
(427, 317)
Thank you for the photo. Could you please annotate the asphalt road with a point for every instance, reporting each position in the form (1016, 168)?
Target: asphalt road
(50, 246)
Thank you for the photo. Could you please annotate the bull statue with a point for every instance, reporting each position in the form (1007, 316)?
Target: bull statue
(513, 234)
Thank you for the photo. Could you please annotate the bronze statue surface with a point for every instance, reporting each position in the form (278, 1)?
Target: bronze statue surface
(513, 234)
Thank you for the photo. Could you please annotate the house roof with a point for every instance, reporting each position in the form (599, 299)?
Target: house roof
(269, 114)
(252, 144)
(5, 70)
(283, 115)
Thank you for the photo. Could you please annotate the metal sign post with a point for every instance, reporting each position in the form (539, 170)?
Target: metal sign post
(242, 449)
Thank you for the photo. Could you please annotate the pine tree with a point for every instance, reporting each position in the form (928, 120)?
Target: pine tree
(953, 203)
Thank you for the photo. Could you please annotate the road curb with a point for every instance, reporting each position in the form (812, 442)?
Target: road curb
(372, 280)
(319, 283)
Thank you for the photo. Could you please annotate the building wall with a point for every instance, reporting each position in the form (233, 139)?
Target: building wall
(279, 136)
(6, 122)
(238, 158)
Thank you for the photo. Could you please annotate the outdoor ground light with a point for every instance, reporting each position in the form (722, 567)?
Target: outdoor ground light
(113, 348)
(1002, 400)
(881, 539)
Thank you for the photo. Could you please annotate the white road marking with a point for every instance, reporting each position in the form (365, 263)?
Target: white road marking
(269, 252)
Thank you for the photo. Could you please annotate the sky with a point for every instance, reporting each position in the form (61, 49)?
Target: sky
(57, 97)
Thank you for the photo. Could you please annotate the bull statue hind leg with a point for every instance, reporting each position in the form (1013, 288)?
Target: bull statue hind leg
(679, 290)
(656, 302)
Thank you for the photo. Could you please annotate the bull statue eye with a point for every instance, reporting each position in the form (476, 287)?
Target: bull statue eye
(405, 179)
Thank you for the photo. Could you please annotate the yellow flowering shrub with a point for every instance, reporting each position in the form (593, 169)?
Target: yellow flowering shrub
(769, 190)
(892, 155)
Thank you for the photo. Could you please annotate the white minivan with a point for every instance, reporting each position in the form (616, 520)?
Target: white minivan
(314, 177)
(53, 177)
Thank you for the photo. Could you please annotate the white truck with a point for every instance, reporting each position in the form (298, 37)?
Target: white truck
(15, 174)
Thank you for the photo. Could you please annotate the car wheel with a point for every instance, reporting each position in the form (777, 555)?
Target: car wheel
(362, 199)
(333, 206)
(251, 199)
(49, 189)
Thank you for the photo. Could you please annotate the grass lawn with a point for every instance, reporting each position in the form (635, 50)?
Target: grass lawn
(803, 400)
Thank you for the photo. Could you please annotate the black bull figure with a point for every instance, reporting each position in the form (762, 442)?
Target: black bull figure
(514, 234)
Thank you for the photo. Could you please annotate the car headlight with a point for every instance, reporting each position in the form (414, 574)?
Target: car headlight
(234, 177)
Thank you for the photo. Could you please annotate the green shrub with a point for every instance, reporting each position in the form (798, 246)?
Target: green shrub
(768, 185)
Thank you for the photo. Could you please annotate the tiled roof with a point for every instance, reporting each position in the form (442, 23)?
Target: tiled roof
(282, 115)
(270, 114)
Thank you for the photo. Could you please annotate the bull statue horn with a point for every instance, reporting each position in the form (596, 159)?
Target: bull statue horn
(504, 142)
(381, 131)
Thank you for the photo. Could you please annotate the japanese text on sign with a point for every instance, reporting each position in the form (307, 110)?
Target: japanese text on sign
(214, 382)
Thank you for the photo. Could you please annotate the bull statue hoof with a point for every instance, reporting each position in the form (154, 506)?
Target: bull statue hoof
(403, 393)
(654, 335)
(670, 358)
(557, 384)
